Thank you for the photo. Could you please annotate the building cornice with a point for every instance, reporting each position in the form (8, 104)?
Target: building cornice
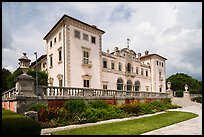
(74, 21)
(150, 55)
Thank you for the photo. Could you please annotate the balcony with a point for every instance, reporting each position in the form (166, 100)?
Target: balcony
(86, 63)
(131, 74)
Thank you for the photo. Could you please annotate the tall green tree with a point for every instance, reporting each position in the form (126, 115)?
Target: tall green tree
(42, 77)
(5, 73)
(179, 80)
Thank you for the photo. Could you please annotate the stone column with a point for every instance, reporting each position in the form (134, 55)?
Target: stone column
(25, 87)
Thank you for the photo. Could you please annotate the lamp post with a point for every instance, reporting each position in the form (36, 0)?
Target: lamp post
(36, 70)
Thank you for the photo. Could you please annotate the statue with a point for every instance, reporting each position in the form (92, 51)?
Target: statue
(169, 91)
(186, 94)
(186, 87)
(168, 84)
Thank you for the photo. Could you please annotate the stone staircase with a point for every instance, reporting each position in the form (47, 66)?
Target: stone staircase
(183, 102)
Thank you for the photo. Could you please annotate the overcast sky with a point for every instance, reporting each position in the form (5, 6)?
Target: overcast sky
(172, 30)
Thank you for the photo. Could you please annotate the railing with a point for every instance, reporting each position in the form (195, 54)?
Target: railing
(89, 92)
(11, 93)
(51, 91)
(129, 73)
(86, 62)
(195, 95)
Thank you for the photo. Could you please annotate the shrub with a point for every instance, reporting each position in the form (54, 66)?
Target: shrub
(131, 108)
(148, 107)
(179, 93)
(98, 104)
(197, 99)
(37, 107)
(98, 114)
(43, 115)
(15, 124)
(75, 106)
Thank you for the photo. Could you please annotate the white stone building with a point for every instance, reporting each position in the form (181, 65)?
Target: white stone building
(75, 59)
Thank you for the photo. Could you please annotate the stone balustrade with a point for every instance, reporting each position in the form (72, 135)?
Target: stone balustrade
(11, 93)
(51, 91)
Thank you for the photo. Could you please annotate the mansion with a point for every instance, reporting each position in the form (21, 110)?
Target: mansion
(74, 58)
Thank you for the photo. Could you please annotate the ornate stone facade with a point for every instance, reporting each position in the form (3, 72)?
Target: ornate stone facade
(82, 55)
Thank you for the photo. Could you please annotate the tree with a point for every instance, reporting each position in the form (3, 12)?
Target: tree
(179, 80)
(5, 73)
(42, 77)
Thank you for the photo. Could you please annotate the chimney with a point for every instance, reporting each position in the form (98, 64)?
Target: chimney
(139, 55)
(146, 52)
(108, 51)
(94, 26)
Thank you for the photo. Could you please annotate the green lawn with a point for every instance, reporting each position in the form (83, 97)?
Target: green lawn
(132, 127)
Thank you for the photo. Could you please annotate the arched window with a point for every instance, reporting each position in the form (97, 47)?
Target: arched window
(128, 67)
(119, 84)
(129, 85)
(137, 85)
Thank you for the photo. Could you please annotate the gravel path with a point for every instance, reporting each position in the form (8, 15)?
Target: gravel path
(189, 127)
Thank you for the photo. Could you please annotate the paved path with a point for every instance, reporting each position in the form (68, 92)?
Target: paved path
(189, 127)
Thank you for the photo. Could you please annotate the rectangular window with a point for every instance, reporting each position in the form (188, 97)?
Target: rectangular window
(77, 34)
(51, 63)
(85, 57)
(112, 65)
(105, 87)
(104, 64)
(50, 44)
(162, 64)
(141, 71)
(44, 65)
(93, 39)
(160, 72)
(120, 66)
(147, 88)
(137, 70)
(60, 55)
(157, 62)
(60, 36)
(86, 83)
(55, 40)
(85, 37)
(160, 89)
(146, 72)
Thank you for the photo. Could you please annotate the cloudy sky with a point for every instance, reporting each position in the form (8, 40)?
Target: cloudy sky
(172, 30)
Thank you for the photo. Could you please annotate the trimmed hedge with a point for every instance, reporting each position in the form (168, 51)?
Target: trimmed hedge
(179, 93)
(198, 99)
(16, 124)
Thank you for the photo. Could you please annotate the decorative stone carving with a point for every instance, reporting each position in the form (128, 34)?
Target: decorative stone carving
(24, 82)
(186, 94)
(186, 87)
(168, 84)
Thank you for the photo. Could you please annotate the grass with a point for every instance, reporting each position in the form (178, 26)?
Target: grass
(132, 127)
